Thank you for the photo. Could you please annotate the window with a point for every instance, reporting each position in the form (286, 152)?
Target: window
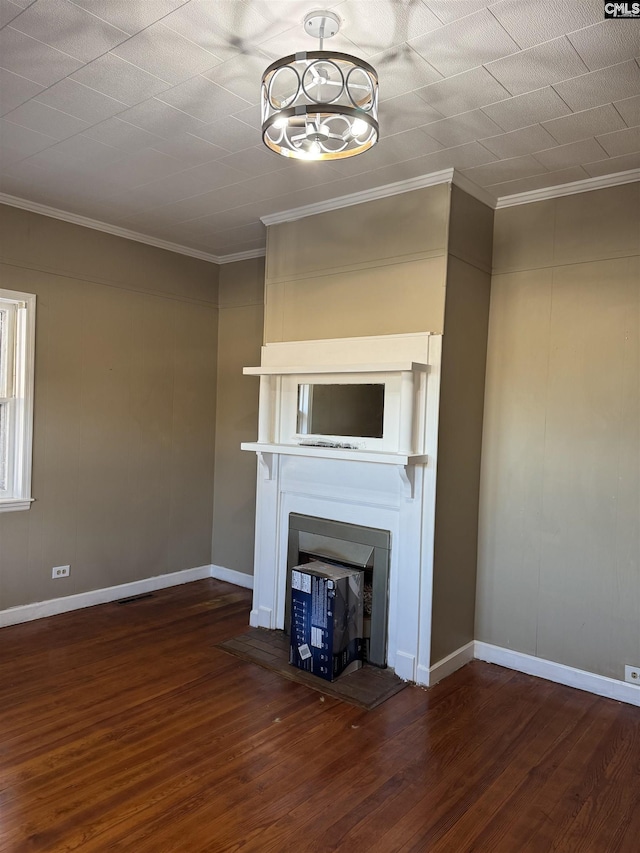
(17, 339)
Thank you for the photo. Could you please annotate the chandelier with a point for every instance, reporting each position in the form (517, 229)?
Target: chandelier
(320, 105)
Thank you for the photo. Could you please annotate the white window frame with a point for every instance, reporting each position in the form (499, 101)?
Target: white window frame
(17, 362)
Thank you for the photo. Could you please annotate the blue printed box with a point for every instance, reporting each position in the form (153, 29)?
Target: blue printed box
(326, 619)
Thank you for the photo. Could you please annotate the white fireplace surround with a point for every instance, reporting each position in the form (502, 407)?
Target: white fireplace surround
(390, 485)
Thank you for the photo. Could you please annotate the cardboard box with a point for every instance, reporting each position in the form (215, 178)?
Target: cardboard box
(326, 619)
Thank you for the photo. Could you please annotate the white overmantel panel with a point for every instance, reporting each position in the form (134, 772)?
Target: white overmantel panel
(354, 488)
(399, 362)
(338, 352)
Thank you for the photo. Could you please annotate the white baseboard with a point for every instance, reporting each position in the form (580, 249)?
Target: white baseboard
(558, 672)
(447, 665)
(232, 576)
(260, 617)
(54, 606)
(540, 667)
(404, 663)
(404, 666)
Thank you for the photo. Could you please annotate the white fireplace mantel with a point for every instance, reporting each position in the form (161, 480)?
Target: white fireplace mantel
(358, 485)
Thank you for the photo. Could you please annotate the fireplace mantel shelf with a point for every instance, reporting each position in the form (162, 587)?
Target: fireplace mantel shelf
(337, 453)
(305, 370)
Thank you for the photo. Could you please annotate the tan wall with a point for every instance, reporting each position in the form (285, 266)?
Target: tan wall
(471, 230)
(239, 341)
(464, 348)
(126, 344)
(559, 542)
(377, 268)
(51, 245)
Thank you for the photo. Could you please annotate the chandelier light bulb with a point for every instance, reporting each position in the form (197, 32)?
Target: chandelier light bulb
(359, 127)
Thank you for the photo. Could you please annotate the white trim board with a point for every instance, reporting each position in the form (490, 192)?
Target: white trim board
(580, 679)
(600, 685)
(464, 183)
(241, 256)
(587, 185)
(451, 175)
(451, 663)
(558, 672)
(397, 188)
(232, 576)
(54, 606)
(116, 230)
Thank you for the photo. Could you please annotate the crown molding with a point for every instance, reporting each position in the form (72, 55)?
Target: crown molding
(462, 182)
(241, 256)
(97, 225)
(470, 188)
(584, 186)
(442, 177)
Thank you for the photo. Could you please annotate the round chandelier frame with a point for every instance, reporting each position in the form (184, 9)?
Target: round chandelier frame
(320, 105)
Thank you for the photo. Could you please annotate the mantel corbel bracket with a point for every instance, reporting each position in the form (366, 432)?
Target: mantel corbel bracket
(408, 477)
(266, 464)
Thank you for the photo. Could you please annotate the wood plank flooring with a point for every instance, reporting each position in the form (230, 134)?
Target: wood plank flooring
(123, 728)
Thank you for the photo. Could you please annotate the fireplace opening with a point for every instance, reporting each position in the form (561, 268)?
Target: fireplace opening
(352, 546)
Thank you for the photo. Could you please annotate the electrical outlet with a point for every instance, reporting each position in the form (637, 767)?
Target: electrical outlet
(60, 572)
(632, 674)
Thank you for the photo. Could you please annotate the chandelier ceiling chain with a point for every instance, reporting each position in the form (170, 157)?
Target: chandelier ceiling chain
(320, 105)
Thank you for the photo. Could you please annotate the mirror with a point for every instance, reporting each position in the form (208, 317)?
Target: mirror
(344, 410)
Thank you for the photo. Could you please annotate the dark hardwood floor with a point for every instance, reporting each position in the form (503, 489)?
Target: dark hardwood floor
(123, 728)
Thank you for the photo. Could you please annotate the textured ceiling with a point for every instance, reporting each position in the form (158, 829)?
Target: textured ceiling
(144, 114)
